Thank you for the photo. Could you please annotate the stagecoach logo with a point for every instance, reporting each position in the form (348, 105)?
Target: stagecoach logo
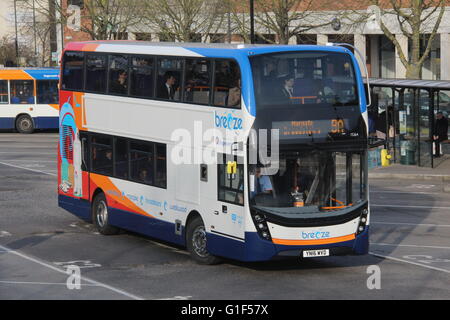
(227, 121)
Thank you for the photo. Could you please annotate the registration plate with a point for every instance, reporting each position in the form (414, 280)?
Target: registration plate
(316, 253)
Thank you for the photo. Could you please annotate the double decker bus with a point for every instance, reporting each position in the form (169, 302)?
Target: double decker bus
(239, 151)
(29, 99)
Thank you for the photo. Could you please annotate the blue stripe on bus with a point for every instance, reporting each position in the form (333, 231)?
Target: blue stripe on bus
(7, 123)
(46, 122)
(151, 227)
(78, 207)
(253, 249)
(43, 74)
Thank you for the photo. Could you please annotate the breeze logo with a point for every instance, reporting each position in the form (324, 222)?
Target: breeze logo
(315, 235)
(227, 121)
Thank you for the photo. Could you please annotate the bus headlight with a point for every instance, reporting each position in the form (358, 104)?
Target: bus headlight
(362, 221)
(261, 225)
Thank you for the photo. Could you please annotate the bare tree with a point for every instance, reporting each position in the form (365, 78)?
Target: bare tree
(288, 18)
(185, 20)
(415, 18)
(111, 19)
(282, 18)
(8, 52)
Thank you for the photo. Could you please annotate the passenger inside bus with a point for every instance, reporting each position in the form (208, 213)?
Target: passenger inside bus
(233, 99)
(166, 89)
(262, 184)
(120, 85)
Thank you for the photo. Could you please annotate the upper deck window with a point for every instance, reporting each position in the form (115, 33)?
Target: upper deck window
(227, 84)
(169, 78)
(197, 84)
(118, 74)
(73, 74)
(141, 77)
(96, 70)
(304, 78)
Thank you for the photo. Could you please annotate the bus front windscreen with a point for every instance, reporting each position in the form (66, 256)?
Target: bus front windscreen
(304, 78)
(310, 99)
(309, 181)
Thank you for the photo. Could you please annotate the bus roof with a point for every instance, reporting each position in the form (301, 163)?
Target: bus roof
(190, 49)
(29, 74)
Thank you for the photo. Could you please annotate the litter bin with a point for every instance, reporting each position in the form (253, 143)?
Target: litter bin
(407, 152)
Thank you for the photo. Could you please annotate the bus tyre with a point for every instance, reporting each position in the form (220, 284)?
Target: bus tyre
(24, 124)
(196, 242)
(100, 216)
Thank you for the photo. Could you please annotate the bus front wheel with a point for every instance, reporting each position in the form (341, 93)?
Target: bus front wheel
(100, 216)
(24, 124)
(196, 242)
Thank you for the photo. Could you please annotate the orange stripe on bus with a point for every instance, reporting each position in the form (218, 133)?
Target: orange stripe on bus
(107, 186)
(313, 242)
(14, 75)
(90, 47)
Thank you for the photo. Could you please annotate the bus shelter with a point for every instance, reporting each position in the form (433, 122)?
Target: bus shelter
(402, 117)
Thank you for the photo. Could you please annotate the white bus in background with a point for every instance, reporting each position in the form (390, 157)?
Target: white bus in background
(126, 105)
(29, 99)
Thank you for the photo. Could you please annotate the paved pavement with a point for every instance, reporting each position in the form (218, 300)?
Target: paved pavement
(410, 244)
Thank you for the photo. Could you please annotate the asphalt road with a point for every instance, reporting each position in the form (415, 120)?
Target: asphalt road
(410, 246)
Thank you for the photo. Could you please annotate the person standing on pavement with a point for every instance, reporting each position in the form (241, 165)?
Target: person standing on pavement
(440, 132)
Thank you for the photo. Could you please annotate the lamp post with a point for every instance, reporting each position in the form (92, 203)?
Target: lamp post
(15, 25)
(252, 22)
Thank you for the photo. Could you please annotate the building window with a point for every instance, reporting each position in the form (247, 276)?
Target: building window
(141, 36)
(217, 37)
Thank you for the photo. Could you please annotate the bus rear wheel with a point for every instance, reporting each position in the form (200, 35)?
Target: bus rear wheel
(24, 124)
(100, 216)
(196, 243)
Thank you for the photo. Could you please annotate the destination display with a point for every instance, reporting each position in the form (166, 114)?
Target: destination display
(309, 128)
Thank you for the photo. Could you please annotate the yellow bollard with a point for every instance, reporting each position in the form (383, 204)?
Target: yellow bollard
(385, 158)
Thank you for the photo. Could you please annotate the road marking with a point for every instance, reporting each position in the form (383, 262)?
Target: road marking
(413, 224)
(4, 234)
(119, 291)
(44, 283)
(409, 262)
(27, 153)
(20, 160)
(177, 298)
(79, 263)
(411, 207)
(408, 245)
(33, 170)
(404, 192)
